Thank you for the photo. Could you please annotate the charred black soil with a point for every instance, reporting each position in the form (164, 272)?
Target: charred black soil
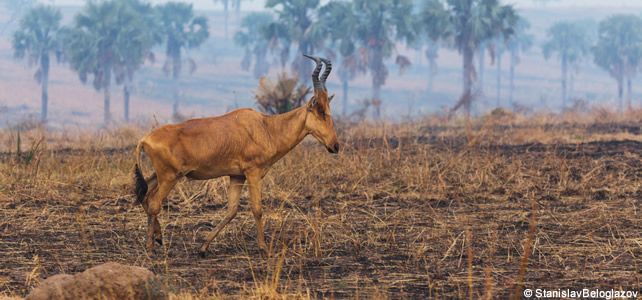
(393, 216)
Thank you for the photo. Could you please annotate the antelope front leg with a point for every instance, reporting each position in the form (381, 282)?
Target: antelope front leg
(254, 182)
(150, 233)
(158, 231)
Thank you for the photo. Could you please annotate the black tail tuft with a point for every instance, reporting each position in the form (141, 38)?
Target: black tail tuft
(141, 185)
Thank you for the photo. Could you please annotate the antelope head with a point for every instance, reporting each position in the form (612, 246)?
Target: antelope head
(319, 120)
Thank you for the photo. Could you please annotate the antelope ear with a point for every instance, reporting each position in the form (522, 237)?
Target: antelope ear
(330, 98)
(312, 102)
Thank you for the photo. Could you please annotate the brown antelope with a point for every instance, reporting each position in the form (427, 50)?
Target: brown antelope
(242, 144)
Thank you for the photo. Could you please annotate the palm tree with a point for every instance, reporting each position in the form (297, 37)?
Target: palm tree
(379, 25)
(278, 40)
(294, 25)
(108, 37)
(370, 29)
(226, 4)
(432, 53)
(466, 24)
(250, 38)
(499, 48)
(481, 55)
(38, 37)
(519, 42)
(619, 50)
(433, 38)
(575, 62)
(570, 41)
(338, 22)
(236, 4)
(180, 30)
(137, 49)
(350, 67)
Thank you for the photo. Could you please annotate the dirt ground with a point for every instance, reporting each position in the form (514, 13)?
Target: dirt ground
(406, 212)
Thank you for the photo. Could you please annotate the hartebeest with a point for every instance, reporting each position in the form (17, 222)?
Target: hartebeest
(242, 144)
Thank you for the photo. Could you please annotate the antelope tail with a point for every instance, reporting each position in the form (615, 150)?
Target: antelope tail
(141, 184)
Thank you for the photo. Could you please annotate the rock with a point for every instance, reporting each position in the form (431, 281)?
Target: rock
(107, 281)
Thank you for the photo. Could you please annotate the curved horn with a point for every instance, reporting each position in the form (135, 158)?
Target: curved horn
(318, 86)
(328, 68)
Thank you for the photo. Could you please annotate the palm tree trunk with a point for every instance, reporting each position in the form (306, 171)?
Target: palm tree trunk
(106, 84)
(376, 92)
(238, 12)
(571, 80)
(628, 94)
(564, 72)
(513, 59)
(44, 80)
(480, 75)
(378, 76)
(345, 97)
(176, 68)
(225, 11)
(468, 78)
(376, 66)
(261, 66)
(431, 75)
(620, 91)
(126, 99)
(499, 78)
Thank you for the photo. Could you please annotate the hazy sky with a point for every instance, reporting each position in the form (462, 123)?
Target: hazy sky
(259, 4)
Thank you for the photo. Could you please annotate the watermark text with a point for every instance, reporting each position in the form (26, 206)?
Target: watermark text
(581, 293)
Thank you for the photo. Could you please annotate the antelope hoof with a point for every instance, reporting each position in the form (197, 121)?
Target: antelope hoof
(263, 249)
(202, 253)
(159, 241)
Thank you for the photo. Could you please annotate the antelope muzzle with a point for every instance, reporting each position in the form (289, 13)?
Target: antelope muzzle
(334, 149)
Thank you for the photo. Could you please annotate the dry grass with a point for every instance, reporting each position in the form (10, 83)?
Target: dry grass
(433, 208)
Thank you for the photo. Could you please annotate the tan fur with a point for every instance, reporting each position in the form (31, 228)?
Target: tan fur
(242, 144)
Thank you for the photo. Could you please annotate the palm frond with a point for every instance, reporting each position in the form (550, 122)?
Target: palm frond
(282, 95)
(38, 36)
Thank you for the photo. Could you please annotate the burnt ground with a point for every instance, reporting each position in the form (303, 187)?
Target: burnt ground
(404, 217)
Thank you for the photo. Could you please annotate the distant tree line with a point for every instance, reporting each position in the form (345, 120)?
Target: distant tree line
(615, 45)
(108, 42)
(365, 33)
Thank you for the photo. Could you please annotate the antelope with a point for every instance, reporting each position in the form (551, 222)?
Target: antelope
(242, 144)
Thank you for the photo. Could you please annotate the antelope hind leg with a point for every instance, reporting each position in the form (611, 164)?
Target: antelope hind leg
(236, 183)
(153, 207)
(254, 182)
